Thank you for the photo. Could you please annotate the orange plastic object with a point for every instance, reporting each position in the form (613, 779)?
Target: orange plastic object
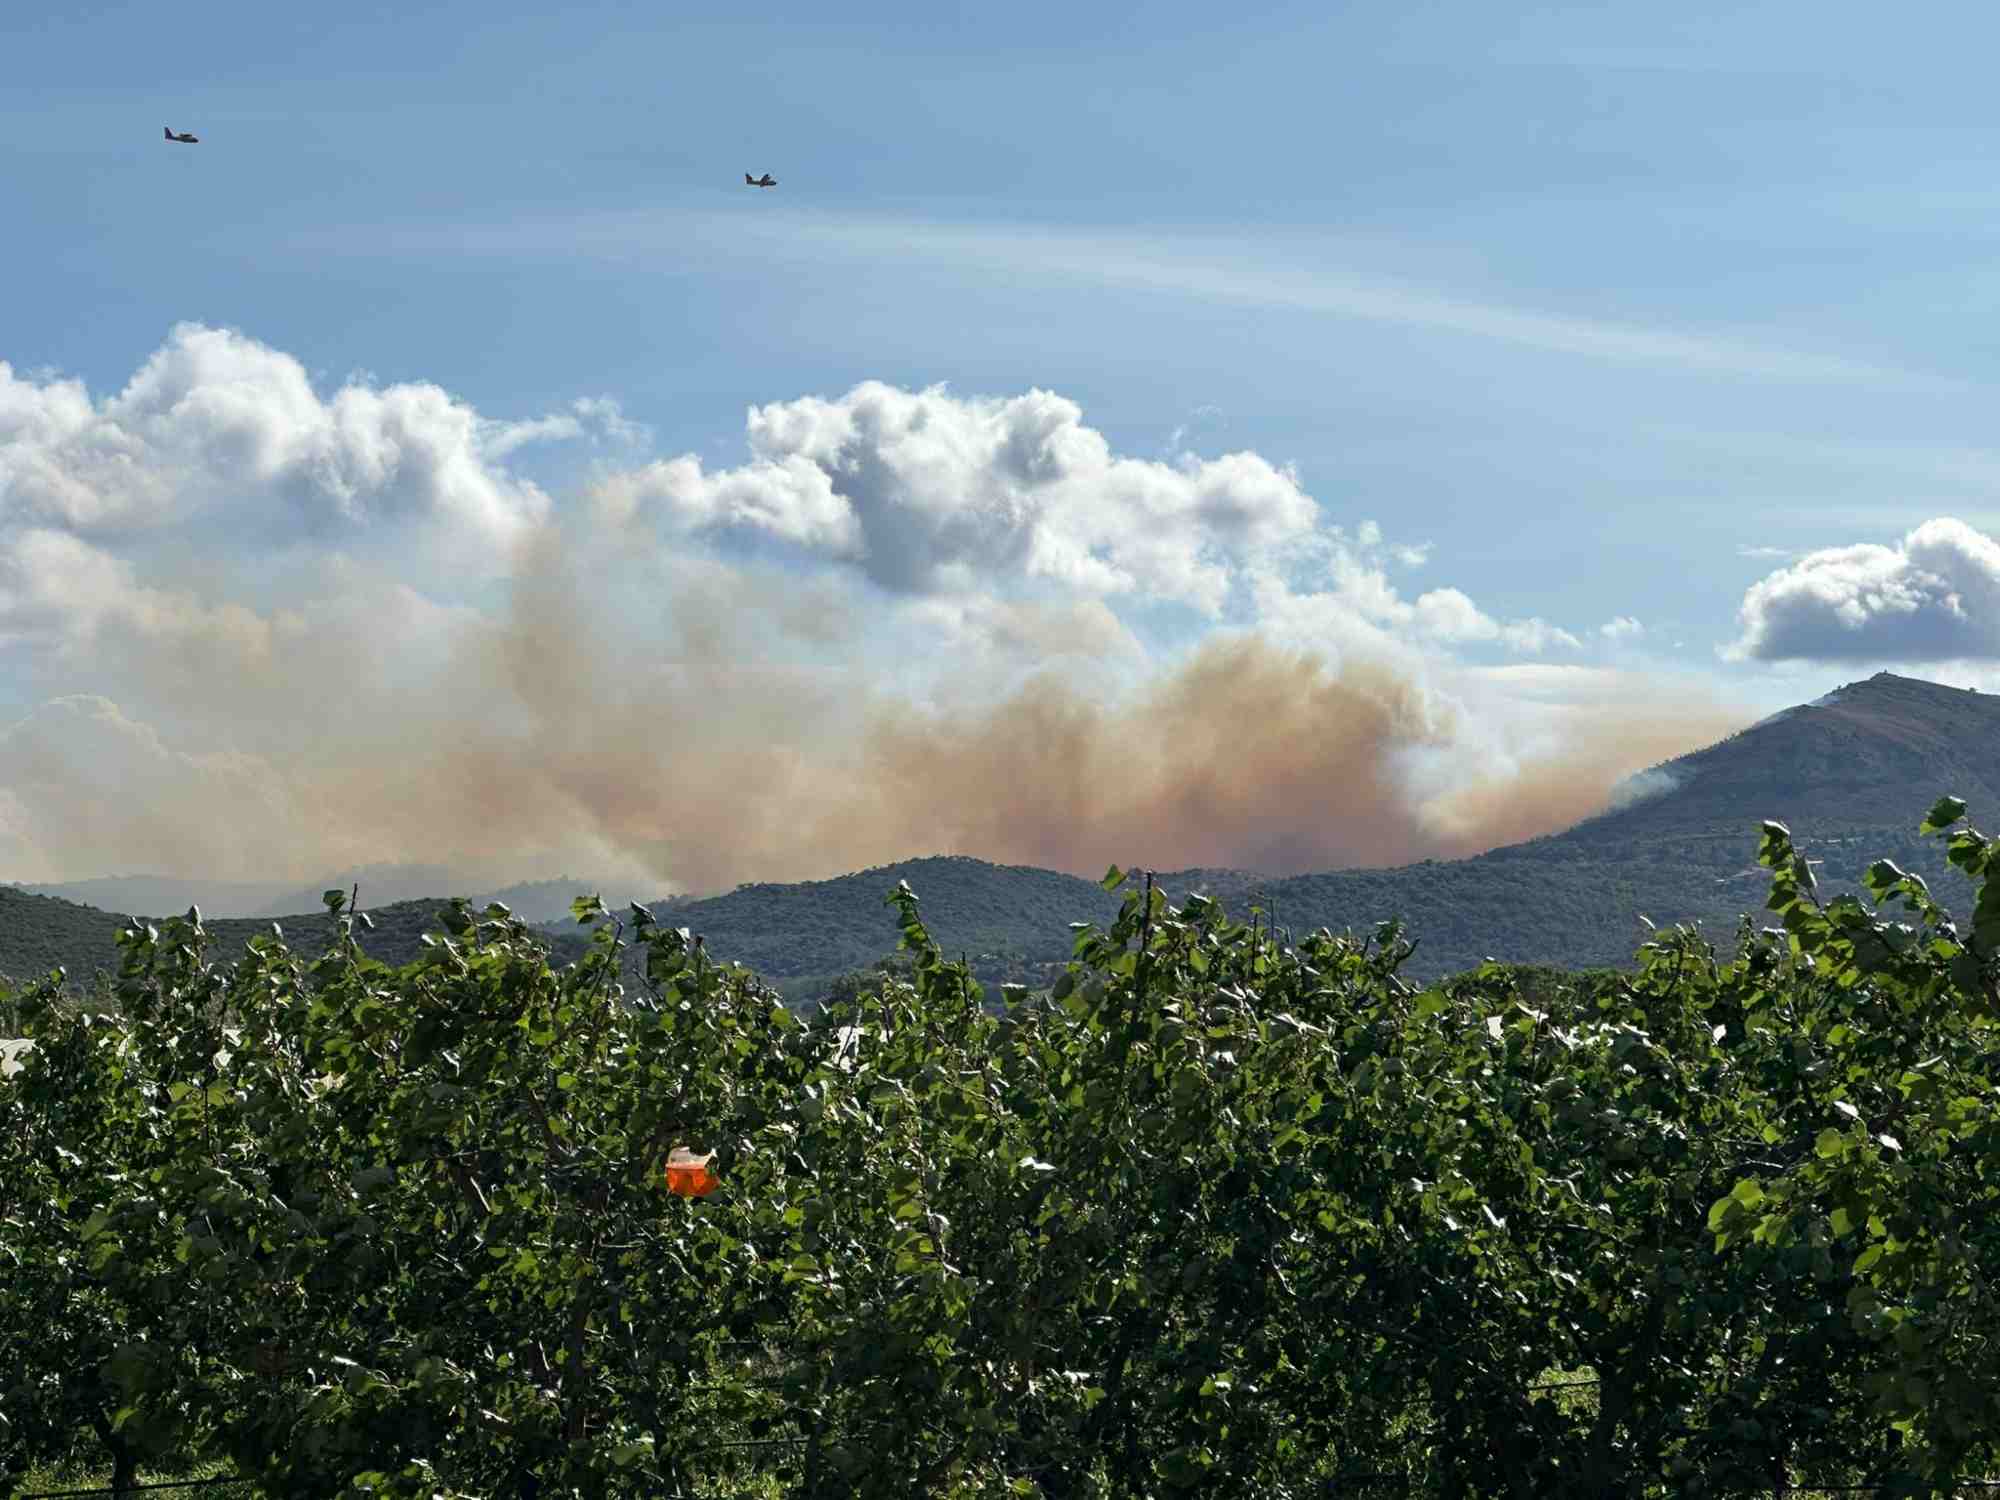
(688, 1175)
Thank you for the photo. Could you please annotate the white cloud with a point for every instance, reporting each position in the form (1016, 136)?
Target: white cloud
(1363, 611)
(211, 521)
(1030, 630)
(1535, 635)
(928, 492)
(232, 680)
(1448, 615)
(591, 418)
(1621, 628)
(1934, 596)
(219, 427)
(933, 495)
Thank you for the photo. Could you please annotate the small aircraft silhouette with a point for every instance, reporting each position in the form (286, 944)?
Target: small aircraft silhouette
(767, 180)
(183, 139)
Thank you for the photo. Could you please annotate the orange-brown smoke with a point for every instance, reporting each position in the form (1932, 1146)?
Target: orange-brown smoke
(739, 735)
(711, 769)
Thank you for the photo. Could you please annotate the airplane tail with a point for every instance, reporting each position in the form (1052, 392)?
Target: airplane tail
(169, 130)
(748, 180)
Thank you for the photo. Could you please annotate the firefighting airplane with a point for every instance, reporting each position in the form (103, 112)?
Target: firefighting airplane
(185, 140)
(767, 180)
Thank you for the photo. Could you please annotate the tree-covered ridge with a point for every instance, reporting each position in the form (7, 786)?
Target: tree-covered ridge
(1219, 1214)
(1859, 758)
(994, 915)
(41, 933)
(1010, 922)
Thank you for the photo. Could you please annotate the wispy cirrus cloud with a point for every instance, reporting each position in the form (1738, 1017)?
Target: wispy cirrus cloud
(1197, 264)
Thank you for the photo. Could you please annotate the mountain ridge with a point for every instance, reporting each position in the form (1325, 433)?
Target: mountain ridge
(1851, 774)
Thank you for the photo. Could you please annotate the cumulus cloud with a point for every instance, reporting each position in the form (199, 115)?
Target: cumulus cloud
(1033, 629)
(216, 428)
(929, 492)
(1358, 603)
(1933, 596)
(1449, 615)
(1621, 628)
(941, 639)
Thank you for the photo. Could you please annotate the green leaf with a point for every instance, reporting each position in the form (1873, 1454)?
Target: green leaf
(1113, 878)
(626, 1455)
(1882, 877)
(1944, 812)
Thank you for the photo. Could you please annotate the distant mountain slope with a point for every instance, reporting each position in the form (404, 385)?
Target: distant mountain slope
(1009, 918)
(169, 895)
(1004, 918)
(1851, 775)
(827, 926)
(40, 933)
(530, 900)
(155, 895)
(1872, 754)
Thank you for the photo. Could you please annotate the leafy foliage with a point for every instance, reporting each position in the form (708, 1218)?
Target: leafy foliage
(1216, 1213)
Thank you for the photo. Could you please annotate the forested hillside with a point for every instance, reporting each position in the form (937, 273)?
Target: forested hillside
(40, 933)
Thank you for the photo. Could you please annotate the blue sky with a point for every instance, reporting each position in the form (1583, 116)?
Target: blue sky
(1610, 312)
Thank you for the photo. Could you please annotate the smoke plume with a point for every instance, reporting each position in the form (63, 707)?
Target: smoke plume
(714, 752)
(265, 634)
